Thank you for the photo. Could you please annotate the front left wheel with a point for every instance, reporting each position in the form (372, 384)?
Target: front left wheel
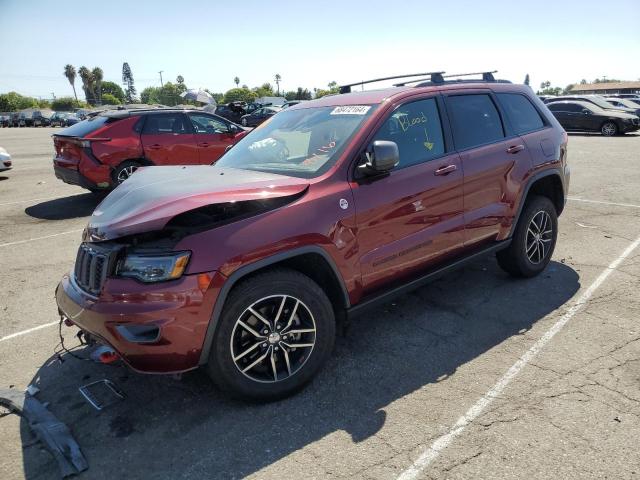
(276, 331)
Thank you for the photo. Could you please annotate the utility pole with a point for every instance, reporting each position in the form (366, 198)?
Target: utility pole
(161, 84)
(53, 95)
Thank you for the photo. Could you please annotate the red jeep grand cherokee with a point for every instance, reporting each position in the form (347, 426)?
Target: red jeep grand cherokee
(329, 207)
(101, 152)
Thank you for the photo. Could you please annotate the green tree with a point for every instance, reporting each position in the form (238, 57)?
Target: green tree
(13, 101)
(108, 99)
(236, 80)
(265, 90)
(70, 73)
(239, 94)
(98, 76)
(150, 95)
(114, 89)
(333, 88)
(66, 104)
(278, 79)
(87, 84)
(127, 79)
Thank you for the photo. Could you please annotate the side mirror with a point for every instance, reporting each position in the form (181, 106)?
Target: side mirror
(233, 129)
(586, 112)
(382, 157)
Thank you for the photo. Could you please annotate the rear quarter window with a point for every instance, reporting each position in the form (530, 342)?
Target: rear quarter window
(523, 115)
(85, 127)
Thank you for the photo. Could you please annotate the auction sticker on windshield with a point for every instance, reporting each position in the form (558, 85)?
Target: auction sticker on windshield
(351, 110)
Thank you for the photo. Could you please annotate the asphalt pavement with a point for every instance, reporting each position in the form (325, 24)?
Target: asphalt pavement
(476, 375)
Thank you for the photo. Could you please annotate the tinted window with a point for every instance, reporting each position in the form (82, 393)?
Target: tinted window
(523, 115)
(85, 127)
(416, 129)
(207, 124)
(566, 107)
(474, 120)
(165, 123)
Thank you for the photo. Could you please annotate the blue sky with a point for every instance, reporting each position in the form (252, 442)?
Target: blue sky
(312, 43)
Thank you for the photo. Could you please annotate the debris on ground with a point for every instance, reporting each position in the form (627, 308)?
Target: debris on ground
(54, 434)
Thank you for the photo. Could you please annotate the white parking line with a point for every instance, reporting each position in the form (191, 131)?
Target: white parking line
(603, 203)
(39, 238)
(29, 330)
(434, 450)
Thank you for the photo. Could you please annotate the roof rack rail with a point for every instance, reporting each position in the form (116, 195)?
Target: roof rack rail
(423, 82)
(347, 88)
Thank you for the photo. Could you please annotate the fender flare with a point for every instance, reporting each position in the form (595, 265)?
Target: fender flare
(546, 173)
(245, 270)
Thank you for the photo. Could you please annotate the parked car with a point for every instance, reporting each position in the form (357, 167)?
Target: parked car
(71, 119)
(326, 210)
(624, 103)
(4, 121)
(596, 100)
(102, 151)
(632, 96)
(5, 160)
(58, 119)
(232, 111)
(576, 115)
(254, 119)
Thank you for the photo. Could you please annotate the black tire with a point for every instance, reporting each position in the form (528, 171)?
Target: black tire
(528, 255)
(609, 129)
(123, 171)
(261, 382)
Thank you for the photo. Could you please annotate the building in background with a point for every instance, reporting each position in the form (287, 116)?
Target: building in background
(606, 87)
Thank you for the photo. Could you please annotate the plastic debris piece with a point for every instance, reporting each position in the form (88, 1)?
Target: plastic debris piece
(54, 434)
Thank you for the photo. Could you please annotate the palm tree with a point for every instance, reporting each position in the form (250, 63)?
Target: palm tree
(98, 76)
(236, 80)
(87, 83)
(278, 78)
(70, 73)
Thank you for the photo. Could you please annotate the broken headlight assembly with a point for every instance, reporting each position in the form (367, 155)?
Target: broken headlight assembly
(150, 268)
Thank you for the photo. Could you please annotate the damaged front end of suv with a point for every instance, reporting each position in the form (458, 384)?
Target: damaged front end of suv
(133, 286)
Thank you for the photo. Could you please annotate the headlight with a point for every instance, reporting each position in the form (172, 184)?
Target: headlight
(154, 268)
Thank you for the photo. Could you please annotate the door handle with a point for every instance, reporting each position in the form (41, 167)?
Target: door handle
(445, 170)
(155, 146)
(204, 144)
(515, 148)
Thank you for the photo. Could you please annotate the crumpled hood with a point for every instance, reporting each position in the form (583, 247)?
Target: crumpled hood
(151, 197)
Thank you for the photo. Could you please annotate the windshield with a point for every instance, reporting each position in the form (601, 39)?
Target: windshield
(300, 143)
(601, 102)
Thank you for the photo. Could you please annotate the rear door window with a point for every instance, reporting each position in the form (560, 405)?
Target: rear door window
(166, 123)
(474, 120)
(523, 115)
(416, 128)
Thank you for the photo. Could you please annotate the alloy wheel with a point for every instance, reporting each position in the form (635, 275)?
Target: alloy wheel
(125, 173)
(273, 338)
(609, 129)
(539, 237)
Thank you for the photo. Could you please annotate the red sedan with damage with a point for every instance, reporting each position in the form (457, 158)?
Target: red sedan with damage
(103, 151)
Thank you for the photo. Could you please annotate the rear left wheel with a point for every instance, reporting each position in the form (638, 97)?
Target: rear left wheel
(533, 241)
(276, 331)
(124, 171)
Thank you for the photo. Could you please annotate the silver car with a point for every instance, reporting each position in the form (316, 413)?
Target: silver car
(5, 160)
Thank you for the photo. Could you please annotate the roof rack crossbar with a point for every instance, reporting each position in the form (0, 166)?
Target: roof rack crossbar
(486, 77)
(347, 88)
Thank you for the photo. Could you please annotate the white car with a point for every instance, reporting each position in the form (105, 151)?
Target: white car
(5, 160)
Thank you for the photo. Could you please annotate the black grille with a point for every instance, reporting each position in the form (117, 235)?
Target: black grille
(91, 268)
